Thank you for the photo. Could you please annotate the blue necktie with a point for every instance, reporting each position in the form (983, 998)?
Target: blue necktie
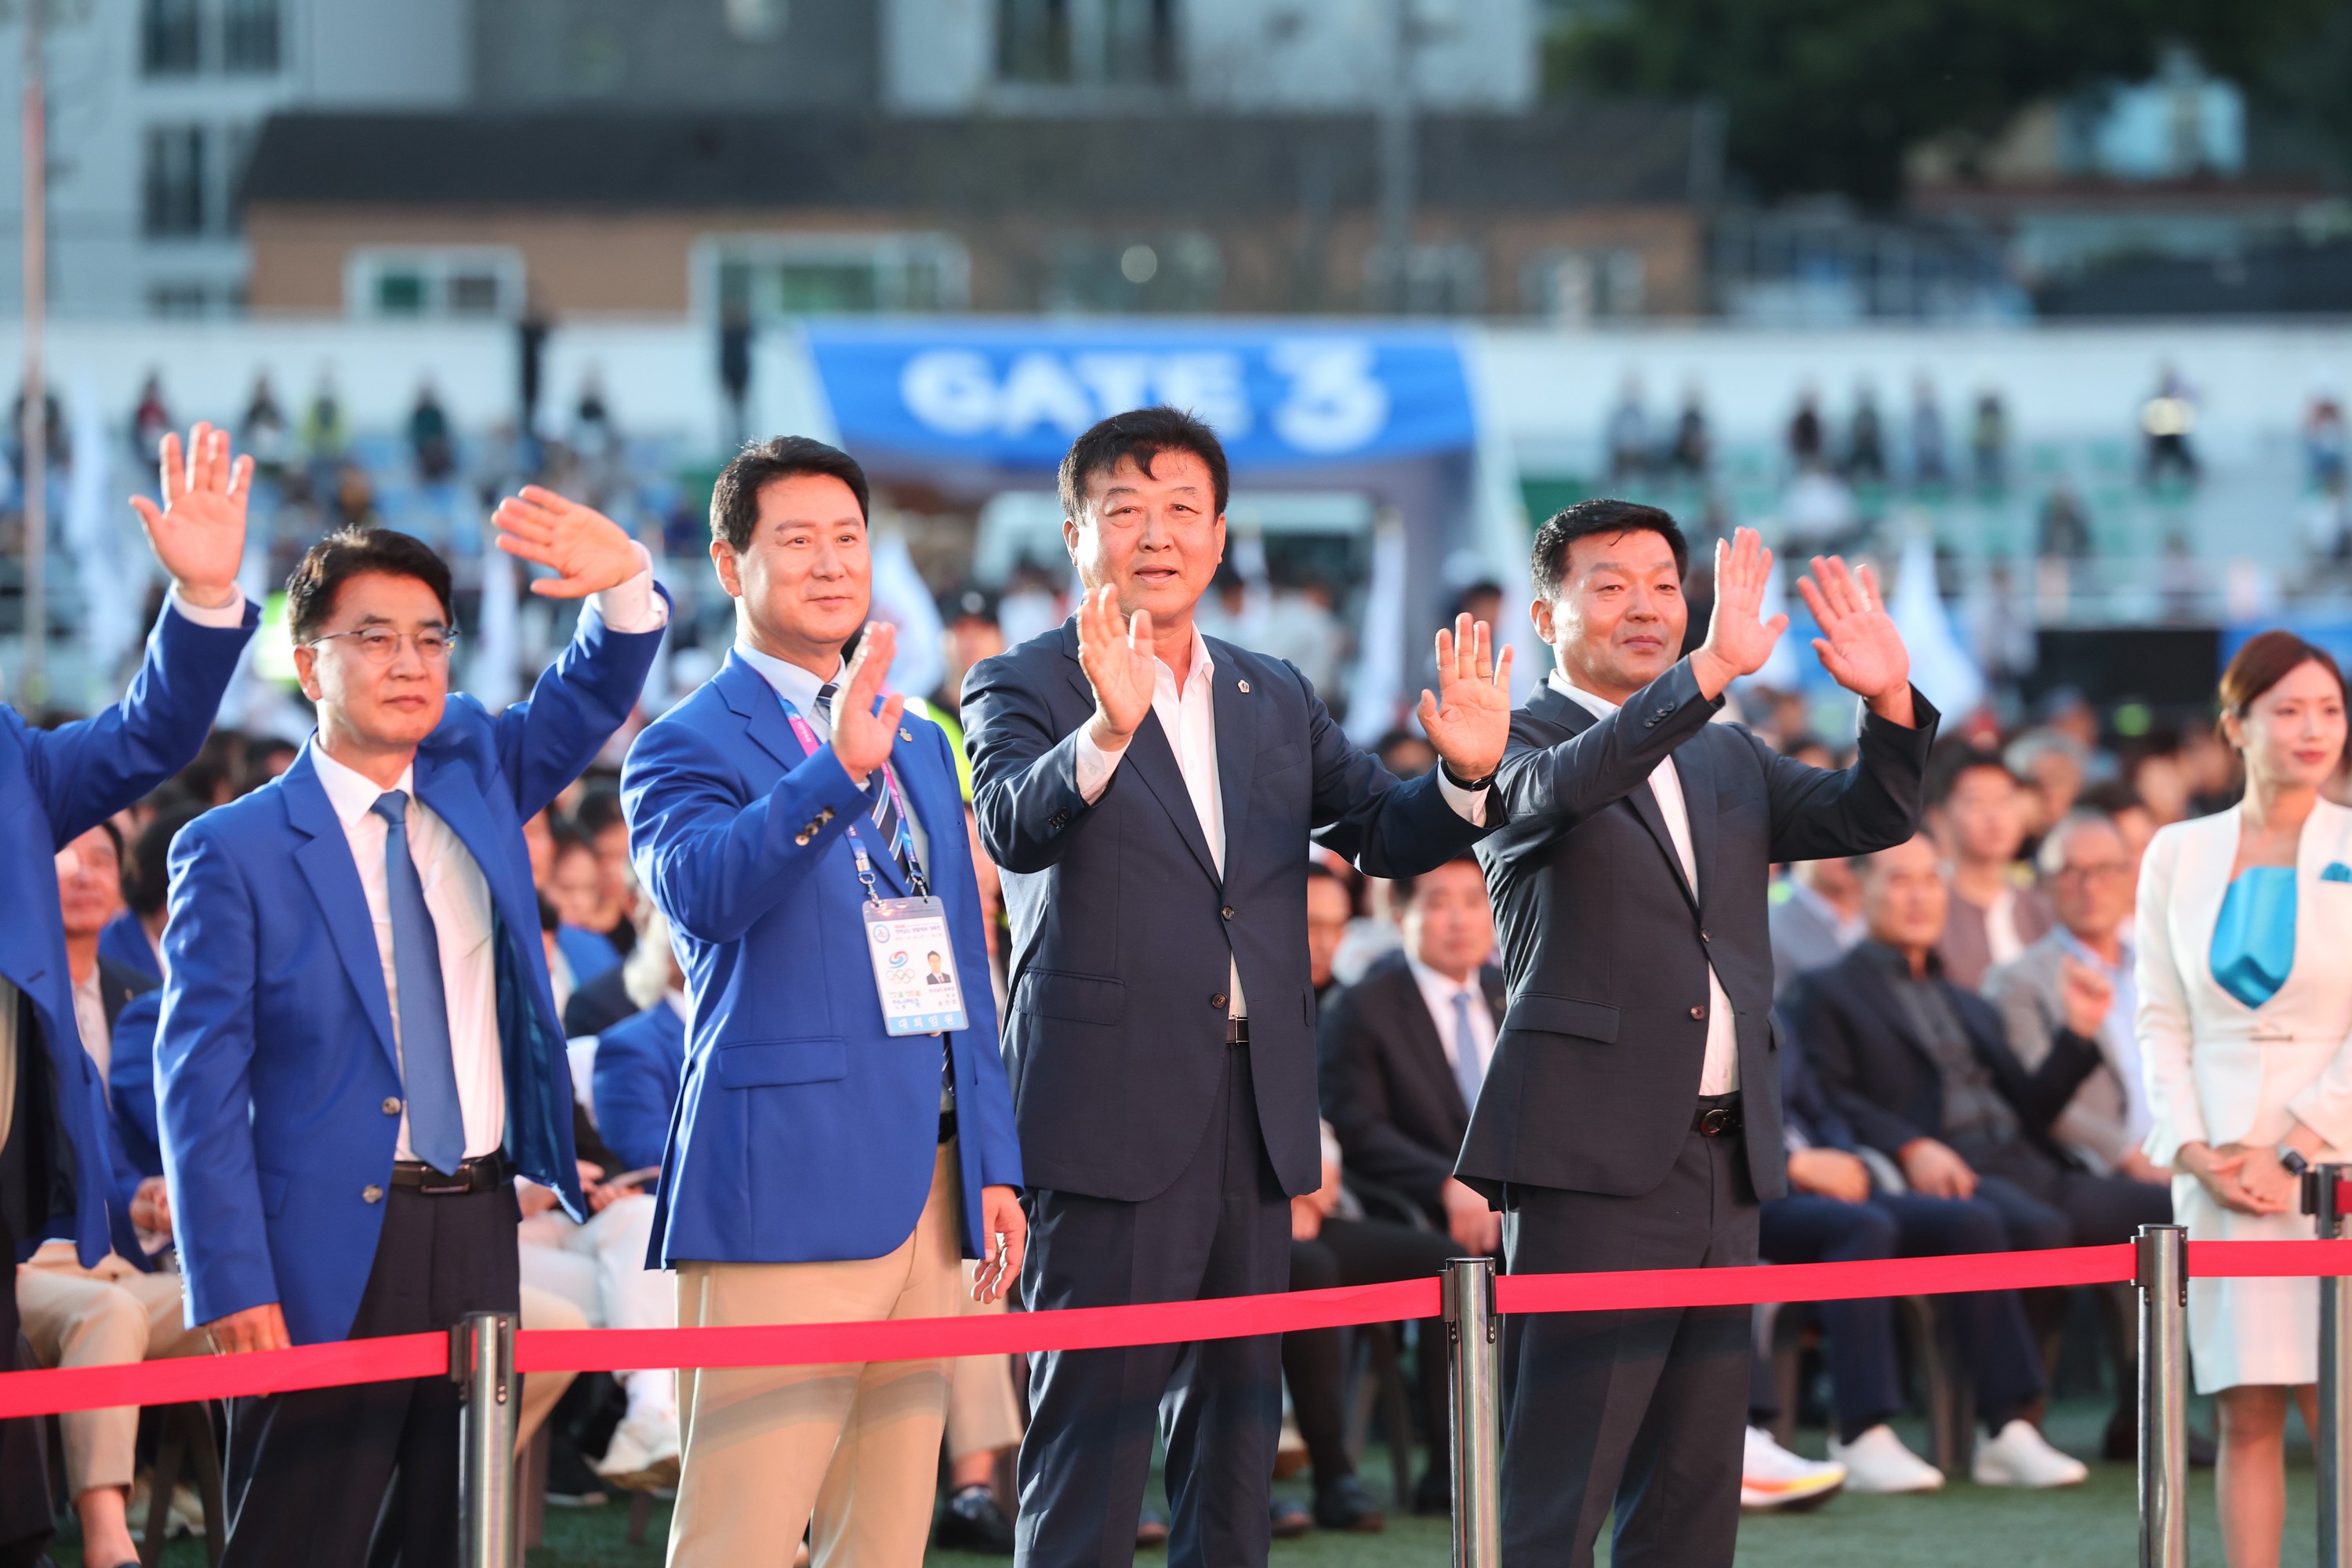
(437, 1126)
(1467, 1071)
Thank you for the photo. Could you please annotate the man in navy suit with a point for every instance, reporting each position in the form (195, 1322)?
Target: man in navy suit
(55, 786)
(827, 1160)
(359, 1047)
(1148, 793)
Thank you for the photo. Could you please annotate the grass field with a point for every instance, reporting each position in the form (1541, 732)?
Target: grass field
(1962, 1525)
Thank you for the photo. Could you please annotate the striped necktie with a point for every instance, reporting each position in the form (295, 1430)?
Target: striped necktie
(887, 823)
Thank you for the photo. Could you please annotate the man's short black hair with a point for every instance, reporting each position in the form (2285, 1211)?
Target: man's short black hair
(1944, 772)
(1139, 436)
(735, 496)
(350, 552)
(1563, 528)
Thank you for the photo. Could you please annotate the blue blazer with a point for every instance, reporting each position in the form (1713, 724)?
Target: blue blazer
(124, 942)
(803, 1132)
(634, 1085)
(1124, 931)
(590, 952)
(278, 1085)
(57, 785)
(130, 1083)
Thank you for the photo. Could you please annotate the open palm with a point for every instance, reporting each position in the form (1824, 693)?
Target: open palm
(587, 550)
(1117, 660)
(198, 534)
(1469, 719)
(1859, 645)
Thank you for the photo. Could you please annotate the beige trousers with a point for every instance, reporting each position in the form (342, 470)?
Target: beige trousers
(851, 1449)
(112, 1315)
(540, 1390)
(984, 1410)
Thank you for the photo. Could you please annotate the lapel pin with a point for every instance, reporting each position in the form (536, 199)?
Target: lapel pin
(906, 737)
(1244, 686)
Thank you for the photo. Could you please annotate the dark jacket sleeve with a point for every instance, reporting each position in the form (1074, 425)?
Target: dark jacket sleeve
(1564, 785)
(1804, 1106)
(1387, 828)
(1355, 1093)
(1874, 803)
(2039, 1096)
(1826, 1034)
(1024, 778)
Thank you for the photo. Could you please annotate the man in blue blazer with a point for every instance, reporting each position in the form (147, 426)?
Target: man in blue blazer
(359, 1047)
(55, 1167)
(1148, 793)
(820, 1166)
(634, 1085)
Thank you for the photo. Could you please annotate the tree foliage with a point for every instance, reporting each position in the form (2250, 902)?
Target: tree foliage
(1828, 95)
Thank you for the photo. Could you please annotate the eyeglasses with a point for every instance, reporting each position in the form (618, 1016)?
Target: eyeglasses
(2104, 869)
(381, 645)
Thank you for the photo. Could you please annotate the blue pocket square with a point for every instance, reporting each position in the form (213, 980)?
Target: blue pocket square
(2338, 871)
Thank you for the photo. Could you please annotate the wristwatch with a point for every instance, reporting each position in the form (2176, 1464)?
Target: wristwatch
(2291, 1158)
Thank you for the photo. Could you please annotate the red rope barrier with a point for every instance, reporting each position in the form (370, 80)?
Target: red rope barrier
(1097, 1328)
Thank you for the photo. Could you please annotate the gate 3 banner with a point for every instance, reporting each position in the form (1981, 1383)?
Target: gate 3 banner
(1013, 395)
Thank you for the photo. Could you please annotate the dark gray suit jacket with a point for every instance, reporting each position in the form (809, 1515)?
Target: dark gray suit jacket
(1596, 1073)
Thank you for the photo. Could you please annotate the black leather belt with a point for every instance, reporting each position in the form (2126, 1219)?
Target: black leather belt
(1237, 1031)
(476, 1175)
(1717, 1115)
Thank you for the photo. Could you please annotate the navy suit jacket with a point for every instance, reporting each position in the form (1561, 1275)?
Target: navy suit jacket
(1124, 931)
(57, 785)
(635, 1083)
(804, 1132)
(278, 1080)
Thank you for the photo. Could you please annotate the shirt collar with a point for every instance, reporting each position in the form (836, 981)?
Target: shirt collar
(2076, 945)
(1895, 964)
(794, 684)
(1202, 668)
(1599, 706)
(1444, 984)
(351, 793)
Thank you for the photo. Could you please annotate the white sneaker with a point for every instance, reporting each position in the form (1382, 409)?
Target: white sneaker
(1772, 1477)
(643, 1454)
(1878, 1462)
(2021, 1457)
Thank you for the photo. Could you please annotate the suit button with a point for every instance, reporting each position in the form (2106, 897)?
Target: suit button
(1216, 999)
(371, 1193)
(391, 1105)
(1227, 912)
(802, 838)
(826, 816)
(1698, 1012)
(1059, 819)
(1703, 937)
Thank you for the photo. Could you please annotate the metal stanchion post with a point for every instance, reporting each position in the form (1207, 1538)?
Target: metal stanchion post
(2163, 1280)
(2323, 1199)
(1473, 1355)
(482, 1364)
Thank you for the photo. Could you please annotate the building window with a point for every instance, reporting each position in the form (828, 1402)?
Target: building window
(1442, 280)
(763, 276)
(1163, 273)
(174, 187)
(1574, 285)
(1087, 42)
(169, 37)
(249, 35)
(468, 283)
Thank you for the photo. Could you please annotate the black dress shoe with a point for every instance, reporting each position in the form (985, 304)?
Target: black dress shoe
(973, 1522)
(1433, 1499)
(1344, 1504)
(1291, 1520)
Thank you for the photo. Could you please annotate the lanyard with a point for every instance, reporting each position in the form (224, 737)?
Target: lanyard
(805, 733)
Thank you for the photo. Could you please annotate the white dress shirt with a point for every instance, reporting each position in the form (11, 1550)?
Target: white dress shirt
(1720, 1075)
(458, 899)
(1188, 714)
(799, 687)
(90, 1021)
(1438, 992)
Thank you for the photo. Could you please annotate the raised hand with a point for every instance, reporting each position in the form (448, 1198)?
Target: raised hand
(1859, 645)
(198, 534)
(862, 737)
(1118, 662)
(1739, 639)
(587, 550)
(1469, 719)
(2087, 995)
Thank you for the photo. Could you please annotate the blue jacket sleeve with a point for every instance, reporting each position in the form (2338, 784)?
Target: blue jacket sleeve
(87, 771)
(714, 863)
(1024, 779)
(204, 1057)
(635, 1087)
(984, 1103)
(548, 739)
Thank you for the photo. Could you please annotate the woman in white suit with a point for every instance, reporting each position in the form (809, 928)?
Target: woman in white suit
(2245, 1006)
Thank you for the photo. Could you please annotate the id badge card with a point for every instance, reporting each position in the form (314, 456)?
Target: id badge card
(914, 967)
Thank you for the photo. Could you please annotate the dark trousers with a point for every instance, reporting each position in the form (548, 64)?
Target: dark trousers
(2047, 1204)
(1223, 1229)
(337, 1477)
(1638, 1411)
(1360, 1252)
(1989, 1327)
